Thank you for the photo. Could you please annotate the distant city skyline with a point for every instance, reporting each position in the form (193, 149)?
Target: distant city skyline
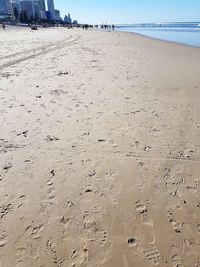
(110, 12)
(131, 11)
(27, 11)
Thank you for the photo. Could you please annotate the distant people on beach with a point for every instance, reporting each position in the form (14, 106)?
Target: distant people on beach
(107, 27)
(3, 26)
(34, 28)
(85, 26)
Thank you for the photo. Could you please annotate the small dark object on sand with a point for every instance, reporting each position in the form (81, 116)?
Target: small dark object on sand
(92, 173)
(53, 173)
(34, 28)
(63, 73)
(101, 140)
(7, 166)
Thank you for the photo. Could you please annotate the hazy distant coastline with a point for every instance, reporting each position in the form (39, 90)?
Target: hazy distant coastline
(193, 24)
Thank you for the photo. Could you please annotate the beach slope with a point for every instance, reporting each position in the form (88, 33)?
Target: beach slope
(99, 150)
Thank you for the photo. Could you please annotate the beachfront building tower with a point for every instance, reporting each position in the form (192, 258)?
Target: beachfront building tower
(57, 15)
(51, 9)
(42, 9)
(67, 19)
(39, 9)
(26, 6)
(5, 8)
(42, 5)
(16, 8)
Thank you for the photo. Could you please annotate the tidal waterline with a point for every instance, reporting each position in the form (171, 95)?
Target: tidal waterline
(184, 33)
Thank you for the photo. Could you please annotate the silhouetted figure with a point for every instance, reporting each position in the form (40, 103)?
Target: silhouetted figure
(3, 26)
(85, 26)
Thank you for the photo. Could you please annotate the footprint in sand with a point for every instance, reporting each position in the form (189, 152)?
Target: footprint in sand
(94, 233)
(68, 224)
(175, 225)
(5, 209)
(36, 232)
(174, 186)
(50, 246)
(2, 243)
(52, 172)
(192, 188)
(3, 239)
(147, 148)
(79, 256)
(49, 182)
(69, 220)
(132, 242)
(20, 254)
(175, 255)
(152, 254)
(22, 201)
(176, 261)
(50, 192)
(148, 252)
(141, 208)
(70, 204)
(50, 138)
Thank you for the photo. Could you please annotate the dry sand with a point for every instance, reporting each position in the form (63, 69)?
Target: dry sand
(99, 150)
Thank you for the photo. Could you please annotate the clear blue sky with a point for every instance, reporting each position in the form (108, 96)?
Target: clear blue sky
(130, 11)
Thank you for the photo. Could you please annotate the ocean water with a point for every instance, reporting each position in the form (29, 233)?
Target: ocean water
(185, 33)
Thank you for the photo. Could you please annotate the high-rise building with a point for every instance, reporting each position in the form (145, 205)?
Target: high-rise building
(67, 19)
(27, 6)
(51, 9)
(48, 15)
(57, 15)
(5, 7)
(15, 4)
(43, 14)
(36, 9)
(42, 5)
(39, 9)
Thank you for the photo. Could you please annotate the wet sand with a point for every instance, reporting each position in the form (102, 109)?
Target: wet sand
(99, 150)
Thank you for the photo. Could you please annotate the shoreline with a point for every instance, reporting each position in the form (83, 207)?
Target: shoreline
(99, 150)
(99, 30)
(159, 39)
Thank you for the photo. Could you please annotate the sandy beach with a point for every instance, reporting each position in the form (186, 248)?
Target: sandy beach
(99, 150)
